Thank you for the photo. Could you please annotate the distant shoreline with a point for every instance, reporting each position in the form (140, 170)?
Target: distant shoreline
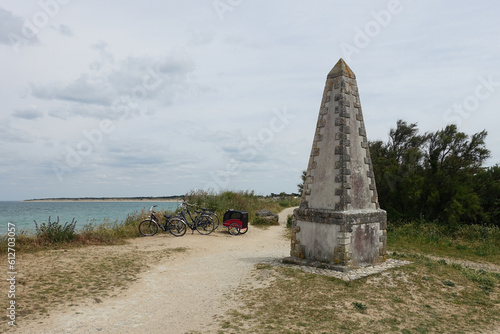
(110, 199)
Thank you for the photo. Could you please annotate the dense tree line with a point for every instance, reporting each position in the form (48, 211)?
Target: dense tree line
(436, 176)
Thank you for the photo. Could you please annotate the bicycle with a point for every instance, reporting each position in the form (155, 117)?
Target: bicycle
(173, 224)
(213, 214)
(201, 222)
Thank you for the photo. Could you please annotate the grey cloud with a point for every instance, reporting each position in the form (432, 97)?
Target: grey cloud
(93, 111)
(136, 160)
(85, 89)
(178, 63)
(121, 90)
(100, 46)
(134, 153)
(63, 30)
(105, 57)
(154, 75)
(11, 30)
(28, 114)
(9, 134)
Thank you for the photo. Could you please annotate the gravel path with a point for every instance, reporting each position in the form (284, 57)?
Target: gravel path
(189, 292)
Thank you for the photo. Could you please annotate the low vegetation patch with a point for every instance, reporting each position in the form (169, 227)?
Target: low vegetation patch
(242, 200)
(260, 221)
(426, 296)
(471, 242)
(54, 235)
(54, 232)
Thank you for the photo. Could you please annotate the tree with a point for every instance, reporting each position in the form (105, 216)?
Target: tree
(431, 175)
(398, 170)
(301, 185)
(451, 161)
(487, 186)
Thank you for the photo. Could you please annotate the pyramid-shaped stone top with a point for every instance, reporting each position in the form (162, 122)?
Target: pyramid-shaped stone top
(341, 69)
(340, 172)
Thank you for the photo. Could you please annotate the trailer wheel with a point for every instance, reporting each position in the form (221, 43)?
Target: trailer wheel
(234, 228)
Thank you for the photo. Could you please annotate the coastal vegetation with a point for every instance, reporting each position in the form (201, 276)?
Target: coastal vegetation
(56, 235)
(439, 198)
(436, 176)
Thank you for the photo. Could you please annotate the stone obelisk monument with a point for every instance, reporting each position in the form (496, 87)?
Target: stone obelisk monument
(339, 224)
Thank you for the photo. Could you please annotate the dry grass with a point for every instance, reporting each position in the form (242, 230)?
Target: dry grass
(424, 297)
(64, 278)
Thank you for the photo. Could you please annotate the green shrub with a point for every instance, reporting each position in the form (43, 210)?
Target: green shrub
(359, 306)
(225, 200)
(259, 221)
(288, 201)
(54, 232)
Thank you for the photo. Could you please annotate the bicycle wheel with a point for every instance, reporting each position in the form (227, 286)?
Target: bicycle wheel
(205, 225)
(215, 219)
(234, 228)
(177, 227)
(148, 227)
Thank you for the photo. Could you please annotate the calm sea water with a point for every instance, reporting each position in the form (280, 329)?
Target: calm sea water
(22, 214)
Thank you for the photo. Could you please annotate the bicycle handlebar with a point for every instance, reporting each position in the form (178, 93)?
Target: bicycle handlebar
(151, 208)
(194, 205)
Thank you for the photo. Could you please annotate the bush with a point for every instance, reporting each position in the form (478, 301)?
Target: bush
(54, 232)
(261, 221)
(288, 201)
(241, 200)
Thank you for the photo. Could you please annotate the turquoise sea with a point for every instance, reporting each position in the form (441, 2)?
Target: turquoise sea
(22, 214)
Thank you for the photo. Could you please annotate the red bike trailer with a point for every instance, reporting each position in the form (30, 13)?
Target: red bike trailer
(236, 221)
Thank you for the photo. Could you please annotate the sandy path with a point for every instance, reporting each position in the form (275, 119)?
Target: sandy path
(188, 292)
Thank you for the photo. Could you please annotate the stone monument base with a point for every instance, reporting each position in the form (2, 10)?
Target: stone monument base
(317, 264)
(338, 240)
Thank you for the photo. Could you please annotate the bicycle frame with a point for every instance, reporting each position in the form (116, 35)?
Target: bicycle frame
(199, 221)
(194, 220)
(155, 219)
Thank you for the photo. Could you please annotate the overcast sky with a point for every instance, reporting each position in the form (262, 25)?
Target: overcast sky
(156, 98)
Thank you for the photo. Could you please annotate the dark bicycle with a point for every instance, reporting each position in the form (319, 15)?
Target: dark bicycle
(201, 221)
(173, 224)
